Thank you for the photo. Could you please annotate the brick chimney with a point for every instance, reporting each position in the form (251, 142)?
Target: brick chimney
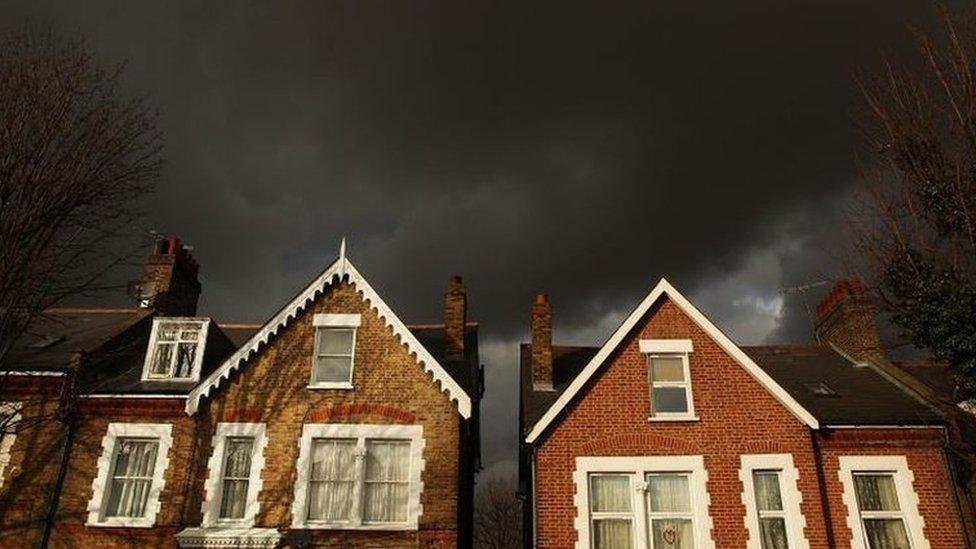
(846, 318)
(169, 281)
(541, 344)
(455, 316)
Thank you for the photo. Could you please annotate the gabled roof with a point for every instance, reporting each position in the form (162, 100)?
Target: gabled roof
(340, 269)
(663, 289)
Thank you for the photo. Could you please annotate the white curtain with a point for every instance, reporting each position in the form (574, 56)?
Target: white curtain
(333, 478)
(672, 534)
(612, 534)
(668, 493)
(237, 474)
(876, 492)
(768, 497)
(772, 532)
(387, 481)
(131, 478)
(609, 493)
(886, 534)
(333, 361)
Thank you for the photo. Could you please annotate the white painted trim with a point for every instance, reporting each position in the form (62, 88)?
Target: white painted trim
(229, 537)
(7, 443)
(133, 396)
(666, 346)
(665, 288)
(790, 494)
(214, 487)
(197, 358)
(33, 373)
(361, 432)
(340, 268)
(161, 431)
(904, 485)
(337, 320)
(688, 415)
(638, 467)
(347, 384)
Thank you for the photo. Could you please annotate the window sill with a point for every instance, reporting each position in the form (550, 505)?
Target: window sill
(117, 523)
(390, 527)
(221, 536)
(335, 385)
(673, 419)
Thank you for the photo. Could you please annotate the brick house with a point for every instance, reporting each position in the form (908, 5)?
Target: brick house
(332, 424)
(672, 436)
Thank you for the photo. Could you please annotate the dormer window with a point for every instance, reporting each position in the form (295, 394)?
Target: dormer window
(669, 379)
(175, 349)
(334, 350)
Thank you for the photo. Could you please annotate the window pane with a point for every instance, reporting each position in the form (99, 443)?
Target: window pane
(610, 493)
(670, 400)
(668, 368)
(333, 368)
(184, 359)
(886, 534)
(237, 471)
(612, 534)
(333, 477)
(167, 332)
(387, 481)
(335, 342)
(772, 532)
(876, 492)
(132, 473)
(162, 358)
(672, 533)
(768, 496)
(668, 493)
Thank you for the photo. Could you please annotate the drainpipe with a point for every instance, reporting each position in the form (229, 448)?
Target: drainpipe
(822, 483)
(535, 529)
(954, 478)
(66, 415)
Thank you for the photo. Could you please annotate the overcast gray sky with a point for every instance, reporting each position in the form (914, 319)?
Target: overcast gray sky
(584, 150)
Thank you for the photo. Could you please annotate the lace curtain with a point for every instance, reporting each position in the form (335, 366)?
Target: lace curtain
(237, 477)
(131, 478)
(878, 494)
(387, 484)
(333, 478)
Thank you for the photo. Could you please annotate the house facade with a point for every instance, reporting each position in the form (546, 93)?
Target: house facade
(332, 424)
(672, 436)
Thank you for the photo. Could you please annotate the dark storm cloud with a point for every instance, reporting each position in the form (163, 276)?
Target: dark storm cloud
(582, 150)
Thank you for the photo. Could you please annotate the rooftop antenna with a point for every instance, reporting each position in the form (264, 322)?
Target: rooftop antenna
(802, 290)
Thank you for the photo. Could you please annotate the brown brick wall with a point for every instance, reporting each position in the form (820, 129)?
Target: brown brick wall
(737, 416)
(389, 388)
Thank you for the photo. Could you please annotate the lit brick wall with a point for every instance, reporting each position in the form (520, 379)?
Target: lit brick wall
(737, 416)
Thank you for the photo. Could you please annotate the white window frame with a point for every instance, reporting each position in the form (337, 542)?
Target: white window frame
(361, 432)
(638, 468)
(163, 432)
(904, 479)
(669, 348)
(789, 491)
(215, 480)
(7, 444)
(158, 322)
(324, 321)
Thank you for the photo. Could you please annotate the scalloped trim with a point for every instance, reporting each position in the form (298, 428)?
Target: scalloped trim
(339, 270)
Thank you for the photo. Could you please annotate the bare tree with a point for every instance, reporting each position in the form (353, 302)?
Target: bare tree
(76, 153)
(497, 514)
(916, 221)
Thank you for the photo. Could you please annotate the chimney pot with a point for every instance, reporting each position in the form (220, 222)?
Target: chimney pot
(541, 344)
(846, 319)
(170, 282)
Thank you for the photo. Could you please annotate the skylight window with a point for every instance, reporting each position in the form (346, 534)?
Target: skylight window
(175, 350)
(821, 389)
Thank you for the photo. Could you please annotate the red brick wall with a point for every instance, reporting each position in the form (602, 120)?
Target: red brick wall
(923, 450)
(737, 416)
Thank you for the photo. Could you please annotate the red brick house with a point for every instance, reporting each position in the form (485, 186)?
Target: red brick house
(672, 436)
(332, 424)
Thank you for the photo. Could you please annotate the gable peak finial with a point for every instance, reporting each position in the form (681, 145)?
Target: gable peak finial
(342, 249)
